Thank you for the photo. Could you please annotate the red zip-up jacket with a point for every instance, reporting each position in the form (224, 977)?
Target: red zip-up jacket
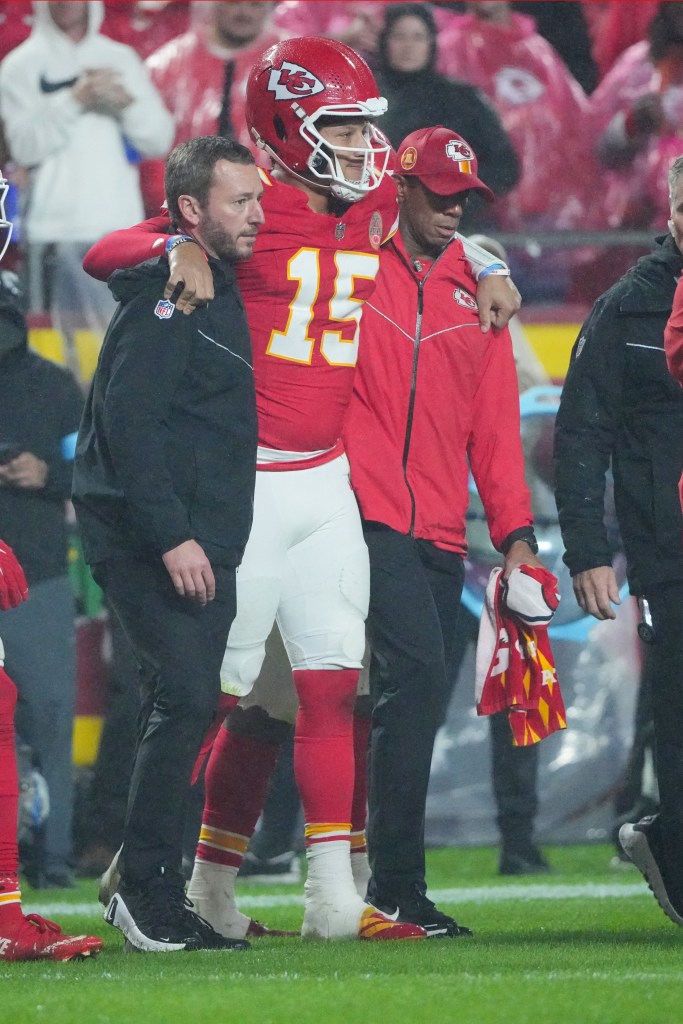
(431, 391)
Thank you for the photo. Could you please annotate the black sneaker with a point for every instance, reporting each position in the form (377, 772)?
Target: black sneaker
(157, 918)
(210, 938)
(642, 842)
(415, 908)
(526, 861)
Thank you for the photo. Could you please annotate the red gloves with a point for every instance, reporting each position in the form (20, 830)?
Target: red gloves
(13, 585)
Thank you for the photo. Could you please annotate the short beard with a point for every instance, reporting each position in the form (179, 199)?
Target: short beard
(220, 242)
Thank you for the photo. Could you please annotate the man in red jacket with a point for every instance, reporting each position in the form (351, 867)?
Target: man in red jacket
(433, 398)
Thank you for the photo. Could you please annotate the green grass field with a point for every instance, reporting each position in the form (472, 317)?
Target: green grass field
(587, 944)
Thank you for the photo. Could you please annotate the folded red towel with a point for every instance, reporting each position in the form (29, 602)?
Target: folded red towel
(515, 667)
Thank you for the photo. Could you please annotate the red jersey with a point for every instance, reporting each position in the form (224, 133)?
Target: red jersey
(304, 290)
(431, 391)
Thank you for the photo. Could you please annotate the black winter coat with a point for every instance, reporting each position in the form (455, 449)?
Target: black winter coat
(40, 409)
(620, 404)
(167, 446)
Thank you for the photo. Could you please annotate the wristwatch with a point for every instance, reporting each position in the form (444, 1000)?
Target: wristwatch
(524, 533)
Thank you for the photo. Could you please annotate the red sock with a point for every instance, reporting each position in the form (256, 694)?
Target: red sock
(323, 750)
(226, 702)
(237, 778)
(10, 896)
(359, 807)
(9, 781)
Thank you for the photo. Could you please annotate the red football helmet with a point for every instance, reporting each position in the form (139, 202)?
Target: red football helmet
(5, 225)
(294, 84)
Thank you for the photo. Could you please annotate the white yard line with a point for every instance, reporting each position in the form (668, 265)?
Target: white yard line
(475, 894)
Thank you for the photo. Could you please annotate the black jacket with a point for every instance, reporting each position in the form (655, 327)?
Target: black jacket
(40, 409)
(167, 446)
(619, 403)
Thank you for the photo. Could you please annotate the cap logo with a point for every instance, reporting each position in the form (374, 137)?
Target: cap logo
(409, 158)
(461, 154)
(292, 82)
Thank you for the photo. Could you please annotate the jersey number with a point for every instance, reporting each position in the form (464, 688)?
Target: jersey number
(338, 347)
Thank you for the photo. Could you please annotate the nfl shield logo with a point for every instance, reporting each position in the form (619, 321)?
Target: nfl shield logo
(164, 309)
(340, 231)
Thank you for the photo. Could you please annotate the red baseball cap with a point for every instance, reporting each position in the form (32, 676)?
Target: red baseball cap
(442, 160)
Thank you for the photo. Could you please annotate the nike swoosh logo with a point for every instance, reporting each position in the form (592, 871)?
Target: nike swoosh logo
(49, 87)
(392, 917)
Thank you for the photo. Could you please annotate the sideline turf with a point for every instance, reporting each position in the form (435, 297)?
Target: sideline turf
(610, 960)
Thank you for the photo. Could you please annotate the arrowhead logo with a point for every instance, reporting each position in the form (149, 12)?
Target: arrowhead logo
(292, 82)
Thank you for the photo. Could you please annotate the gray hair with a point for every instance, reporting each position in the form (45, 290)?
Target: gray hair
(675, 174)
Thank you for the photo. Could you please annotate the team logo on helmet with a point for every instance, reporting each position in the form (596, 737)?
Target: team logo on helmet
(461, 154)
(375, 230)
(464, 299)
(409, 158)
(292, 82)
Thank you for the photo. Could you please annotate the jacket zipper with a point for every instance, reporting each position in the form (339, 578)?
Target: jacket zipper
(420, 282)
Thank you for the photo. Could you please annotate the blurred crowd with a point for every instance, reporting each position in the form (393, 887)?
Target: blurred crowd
(575, 110)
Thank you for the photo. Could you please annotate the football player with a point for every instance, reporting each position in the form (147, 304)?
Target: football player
(22, 936)
(329, 205)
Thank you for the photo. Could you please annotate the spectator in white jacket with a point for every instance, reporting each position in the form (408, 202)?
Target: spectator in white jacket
(79, 112)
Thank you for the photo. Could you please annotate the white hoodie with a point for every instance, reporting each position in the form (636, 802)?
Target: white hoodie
(83, 184)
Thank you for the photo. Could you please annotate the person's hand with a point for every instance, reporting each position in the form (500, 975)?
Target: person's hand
(191, 572)
(596, 591)
(26, 471)
(518, 554)
(498, 300)
(101, 91)
(190, 282)
(13, 585)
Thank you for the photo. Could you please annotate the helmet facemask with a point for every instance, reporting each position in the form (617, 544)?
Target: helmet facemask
(323, 162)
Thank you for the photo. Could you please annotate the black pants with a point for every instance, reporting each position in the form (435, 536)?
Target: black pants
(108, 796)
(666, 607)
(415, 593)
(179, 646)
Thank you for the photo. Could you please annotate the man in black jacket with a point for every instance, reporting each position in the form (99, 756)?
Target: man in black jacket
(620, 406)
(40, 408)
(163, 489)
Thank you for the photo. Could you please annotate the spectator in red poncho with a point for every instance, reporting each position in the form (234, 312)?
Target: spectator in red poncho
(613, 27)
(202, 76)
(356, 24)
(545, 113)
(16, 19)
(638, 111)
(145, 24)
